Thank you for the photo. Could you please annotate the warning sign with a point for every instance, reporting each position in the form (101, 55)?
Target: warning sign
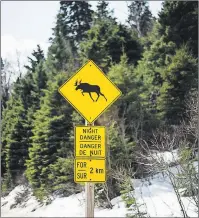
(90, 141)
(88, 170)
(90, 91)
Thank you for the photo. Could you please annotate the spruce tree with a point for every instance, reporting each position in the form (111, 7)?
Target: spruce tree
(105, 44)
(38, 56)
(60, 54)
(179, 20)
(73, 20)
(103, 12)
(6, 82)
(13, 139)
(25, 100)
(140, 17)
(50, 142)
(166, 73)
(180, 79)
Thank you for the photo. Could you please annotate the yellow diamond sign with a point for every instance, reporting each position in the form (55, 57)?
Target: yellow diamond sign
(89, 91)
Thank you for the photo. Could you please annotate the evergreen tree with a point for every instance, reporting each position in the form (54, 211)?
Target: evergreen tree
(50, 142)
(179, 21)
(2, 91)
(140, 17)
(103, 11)
(73, 20)
(105, 43)
(25, 101)
(166, 81)
(180, 79)
(6, 82)
(2, 106)
(14, 143)
(38, 57)
(30, 87)
(60, 54)
(131, 108)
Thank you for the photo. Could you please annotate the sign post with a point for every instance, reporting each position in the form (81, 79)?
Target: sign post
(90, 92)
(89, 190)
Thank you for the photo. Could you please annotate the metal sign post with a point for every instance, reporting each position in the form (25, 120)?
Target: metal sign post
(89, 191)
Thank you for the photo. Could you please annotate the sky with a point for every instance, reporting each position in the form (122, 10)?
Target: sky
(24, 24)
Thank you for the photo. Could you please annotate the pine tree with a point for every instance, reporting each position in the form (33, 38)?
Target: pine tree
(6, 82)
(166, 79)
(29, 88)
(180, 79)
(105, 44)
(73, 20)
(14, 143)
(24, 102)
(2, 98)
(179, 21)
(130, 107)
(60, 54)
(50, 141)
(140, 17)
(38, 56)
(103, 11)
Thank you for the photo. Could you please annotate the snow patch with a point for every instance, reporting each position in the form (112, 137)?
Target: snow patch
(166, 156)
(155, 195)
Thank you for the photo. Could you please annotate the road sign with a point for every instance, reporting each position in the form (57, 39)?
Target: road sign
(89, 91)
(88, 170)
(90, 141)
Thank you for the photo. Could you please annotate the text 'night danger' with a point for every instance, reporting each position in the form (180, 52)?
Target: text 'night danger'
(90, 141)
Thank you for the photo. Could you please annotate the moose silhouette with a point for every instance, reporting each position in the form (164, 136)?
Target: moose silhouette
(87, 88)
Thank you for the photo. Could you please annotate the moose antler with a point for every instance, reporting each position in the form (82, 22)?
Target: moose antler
(76, 82)
(80, 81)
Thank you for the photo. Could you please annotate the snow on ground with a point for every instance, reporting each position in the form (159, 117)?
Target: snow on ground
(160, 199)
(155, 194)
(165, 157)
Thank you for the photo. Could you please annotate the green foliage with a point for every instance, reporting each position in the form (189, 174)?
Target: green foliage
(38, 57)
(179, 80)
(51, 129)
(179, 21)
(131, 106)
(187, 179)
(59, 54)
(6, 184)
(106, 41)
(14, 149)
(62, 176)
(140, 17)
(103, 12)
(17, 118)
(73, 20)
(126, 192)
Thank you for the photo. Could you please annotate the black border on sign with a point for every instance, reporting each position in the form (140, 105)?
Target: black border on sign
(106, 107)
(89, 157)
(89, 180)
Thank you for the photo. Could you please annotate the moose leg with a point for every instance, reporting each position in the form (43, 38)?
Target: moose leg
(82, 93)
(103, 95)
(97, 96)
(91, 96)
